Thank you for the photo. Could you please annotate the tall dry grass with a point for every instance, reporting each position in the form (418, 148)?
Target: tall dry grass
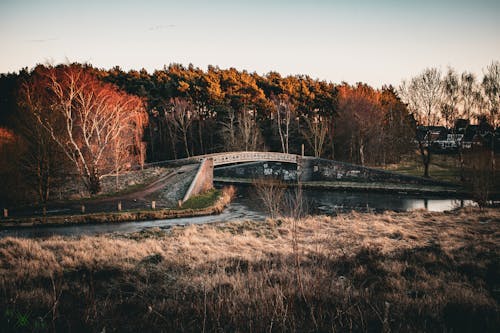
(415, 271)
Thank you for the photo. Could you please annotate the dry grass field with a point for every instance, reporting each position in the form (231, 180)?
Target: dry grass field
(400, 272)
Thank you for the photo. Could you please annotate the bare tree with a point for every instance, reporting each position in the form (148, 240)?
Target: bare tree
(452, 96)
(229, 129)
(423, 95)
(246, 131)
(284, 110)
(83, 116)
(40, 160)
(470, 95)
(240, 131)
(315, 132)
(182, 117)
(491, 88)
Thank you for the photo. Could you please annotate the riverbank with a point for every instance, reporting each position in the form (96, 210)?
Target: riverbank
(210, 203)
(414, 271)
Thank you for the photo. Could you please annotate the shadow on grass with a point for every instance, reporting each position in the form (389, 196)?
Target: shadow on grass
(420, 289)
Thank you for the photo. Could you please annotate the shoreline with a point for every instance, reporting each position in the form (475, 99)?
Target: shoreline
(224, 198)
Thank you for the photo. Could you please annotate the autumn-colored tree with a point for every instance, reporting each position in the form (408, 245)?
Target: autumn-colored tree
(84, 116)
(10, 180)
(359, 122)
(397, 130)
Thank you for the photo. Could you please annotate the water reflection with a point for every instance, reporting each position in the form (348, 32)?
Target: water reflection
(437, 205)
(328, 202)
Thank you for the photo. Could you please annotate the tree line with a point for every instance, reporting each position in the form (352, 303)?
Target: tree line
(77, 119)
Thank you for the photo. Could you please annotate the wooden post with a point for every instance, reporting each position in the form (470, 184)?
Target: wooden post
(179, 203)
(83, 209)
(5, 212)
(119, 206)
(153, 204)
(302, 150)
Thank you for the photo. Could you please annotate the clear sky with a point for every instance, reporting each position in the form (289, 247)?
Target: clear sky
(377, 42)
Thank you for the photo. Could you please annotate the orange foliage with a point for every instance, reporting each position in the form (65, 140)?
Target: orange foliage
(98, 127)
(6, 136)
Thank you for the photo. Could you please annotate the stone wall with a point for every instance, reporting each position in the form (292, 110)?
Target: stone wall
(255, 170)
(203, 181)
(328, 170)
(317, 170)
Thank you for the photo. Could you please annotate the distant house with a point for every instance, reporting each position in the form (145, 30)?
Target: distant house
(444, 140)
(435, 136)
(451, 142)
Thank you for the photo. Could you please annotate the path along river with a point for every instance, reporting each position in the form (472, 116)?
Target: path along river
(246, 206)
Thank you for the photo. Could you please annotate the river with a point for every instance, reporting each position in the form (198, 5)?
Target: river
(246, 206)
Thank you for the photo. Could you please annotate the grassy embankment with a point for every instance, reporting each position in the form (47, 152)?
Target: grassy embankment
(442, 167)
(212, 202)
(479, 184)
(414, 271)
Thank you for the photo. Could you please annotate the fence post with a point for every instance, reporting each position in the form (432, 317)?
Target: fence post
(119, 206)
(83, 209)
(153, 204)
(5, 212)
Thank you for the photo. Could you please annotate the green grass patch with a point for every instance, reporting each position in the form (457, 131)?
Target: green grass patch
(204, 200)
(125, 191)
(442, 167)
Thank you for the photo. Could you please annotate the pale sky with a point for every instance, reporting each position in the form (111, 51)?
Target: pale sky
(377, 42)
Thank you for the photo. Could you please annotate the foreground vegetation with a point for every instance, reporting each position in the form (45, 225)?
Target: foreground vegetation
(414, 271)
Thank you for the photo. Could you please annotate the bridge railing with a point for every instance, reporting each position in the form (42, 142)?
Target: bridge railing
(249, 156)
(230, 158)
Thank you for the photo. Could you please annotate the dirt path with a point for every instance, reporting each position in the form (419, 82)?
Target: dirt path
(166, 191)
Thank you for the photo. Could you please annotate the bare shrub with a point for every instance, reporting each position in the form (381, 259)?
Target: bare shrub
(272, 193)
(279, 199)
(480, 175)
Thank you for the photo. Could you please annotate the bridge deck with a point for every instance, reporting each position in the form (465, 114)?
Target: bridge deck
(249, 156)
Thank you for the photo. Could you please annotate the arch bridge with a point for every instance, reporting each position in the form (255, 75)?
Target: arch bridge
(203, 179)
(308, 169)
(248, 156)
